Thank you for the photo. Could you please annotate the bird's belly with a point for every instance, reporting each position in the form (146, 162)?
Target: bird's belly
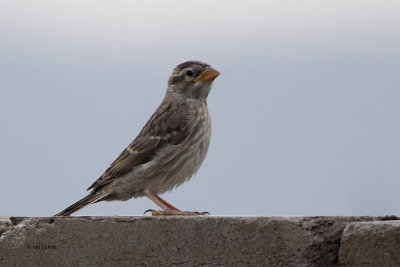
(184, 164)
(175, 165)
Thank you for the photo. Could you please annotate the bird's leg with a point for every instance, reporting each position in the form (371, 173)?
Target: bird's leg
(164, 205)
(168, 209)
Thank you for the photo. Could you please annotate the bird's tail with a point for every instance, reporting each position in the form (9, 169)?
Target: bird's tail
(89, 199)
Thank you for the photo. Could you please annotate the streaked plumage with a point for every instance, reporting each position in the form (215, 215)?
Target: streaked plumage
(170, 148)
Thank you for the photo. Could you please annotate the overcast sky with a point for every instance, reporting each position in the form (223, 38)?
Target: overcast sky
(306, 112)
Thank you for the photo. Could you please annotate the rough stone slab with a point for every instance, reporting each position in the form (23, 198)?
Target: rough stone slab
(371, 244)
(172, 241)
(5, 223)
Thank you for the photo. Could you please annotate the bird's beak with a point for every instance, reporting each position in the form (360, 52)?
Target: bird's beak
(208, 75)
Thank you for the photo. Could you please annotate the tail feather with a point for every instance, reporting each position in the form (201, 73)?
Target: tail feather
(89, 199)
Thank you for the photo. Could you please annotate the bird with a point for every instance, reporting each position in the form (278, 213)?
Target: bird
(168, 151)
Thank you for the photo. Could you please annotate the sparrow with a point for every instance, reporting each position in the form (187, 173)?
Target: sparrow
(169, 149)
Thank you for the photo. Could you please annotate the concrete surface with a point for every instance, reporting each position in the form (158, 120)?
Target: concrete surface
(371, 244)
(190, 241)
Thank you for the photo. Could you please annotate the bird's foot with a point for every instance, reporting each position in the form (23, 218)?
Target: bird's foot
(175, 213)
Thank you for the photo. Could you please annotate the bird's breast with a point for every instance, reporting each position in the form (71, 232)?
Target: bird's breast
(186, 158)
(176, 164)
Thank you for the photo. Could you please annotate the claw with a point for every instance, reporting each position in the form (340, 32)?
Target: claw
(201, 213)
(149, 210)
(181, 213)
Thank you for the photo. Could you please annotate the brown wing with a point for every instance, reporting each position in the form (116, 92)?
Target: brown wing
(168, 125)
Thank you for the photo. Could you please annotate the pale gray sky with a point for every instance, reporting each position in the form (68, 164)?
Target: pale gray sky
(306, 112)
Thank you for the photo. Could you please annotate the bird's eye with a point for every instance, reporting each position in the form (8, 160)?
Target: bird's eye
(189, 73)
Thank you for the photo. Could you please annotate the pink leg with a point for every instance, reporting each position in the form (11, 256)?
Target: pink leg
(168, 209)
(164, 205)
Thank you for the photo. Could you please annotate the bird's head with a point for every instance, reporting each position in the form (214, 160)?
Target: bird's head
(192, 79)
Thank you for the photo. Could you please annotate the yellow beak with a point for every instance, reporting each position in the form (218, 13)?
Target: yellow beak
(208, 75)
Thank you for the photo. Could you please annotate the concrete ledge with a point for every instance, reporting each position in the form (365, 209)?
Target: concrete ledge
(371, 244)
(184, 241)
